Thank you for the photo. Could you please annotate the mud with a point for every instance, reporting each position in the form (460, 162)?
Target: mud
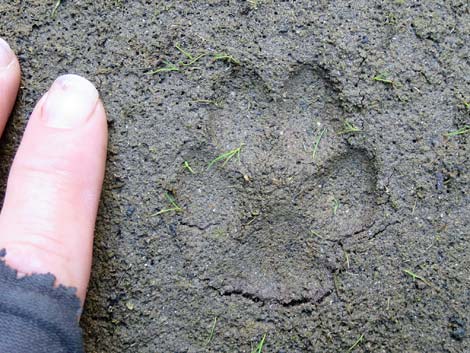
(362, 245)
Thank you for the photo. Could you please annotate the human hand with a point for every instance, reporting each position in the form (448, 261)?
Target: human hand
(48, 217)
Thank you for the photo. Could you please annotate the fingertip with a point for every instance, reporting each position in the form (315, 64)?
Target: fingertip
(9, 81)
(70, 102)
(6, 54)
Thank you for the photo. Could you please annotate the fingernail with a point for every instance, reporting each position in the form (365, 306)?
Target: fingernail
(6, 54)
(69, 102)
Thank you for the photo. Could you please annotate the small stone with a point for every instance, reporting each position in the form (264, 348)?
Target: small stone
(457, 326)
(130, 211)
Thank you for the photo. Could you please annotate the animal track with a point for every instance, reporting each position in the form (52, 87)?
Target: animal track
(275, 234)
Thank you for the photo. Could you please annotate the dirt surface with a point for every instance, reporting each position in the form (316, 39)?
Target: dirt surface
(362, 245)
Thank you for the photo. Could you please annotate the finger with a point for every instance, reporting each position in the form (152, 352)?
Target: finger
(48, 218)
(9, 81)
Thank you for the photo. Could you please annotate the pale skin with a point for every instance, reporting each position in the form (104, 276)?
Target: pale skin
(48, 216)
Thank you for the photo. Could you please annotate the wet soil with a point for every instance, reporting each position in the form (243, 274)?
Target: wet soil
(322, 238)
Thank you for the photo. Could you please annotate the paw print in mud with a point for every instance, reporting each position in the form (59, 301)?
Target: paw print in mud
(270, 227)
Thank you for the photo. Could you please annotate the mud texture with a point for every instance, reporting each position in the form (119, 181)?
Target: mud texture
(361, 246)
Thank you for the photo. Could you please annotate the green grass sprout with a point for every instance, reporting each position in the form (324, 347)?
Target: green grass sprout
(188, 167)
(346, 258)
(55, 8)
(226, 57)
(417, 277)
(184, 52)
(359, 340)
(167, 68)
(259, 347)
(335, 205)
(227, 156)
(317, 142)
(461, 131)
(211, 334)
(315, 233)
(466, 104)
(384, 78)
(348, 128)
(174, 206)
(192, 59)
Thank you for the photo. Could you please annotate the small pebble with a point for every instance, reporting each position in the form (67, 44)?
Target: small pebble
(458, 330)
(130, 211)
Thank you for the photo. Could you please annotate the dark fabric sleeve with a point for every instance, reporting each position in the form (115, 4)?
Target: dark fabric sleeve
(35, 316)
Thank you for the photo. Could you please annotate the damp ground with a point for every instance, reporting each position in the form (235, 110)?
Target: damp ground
(341, 221)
